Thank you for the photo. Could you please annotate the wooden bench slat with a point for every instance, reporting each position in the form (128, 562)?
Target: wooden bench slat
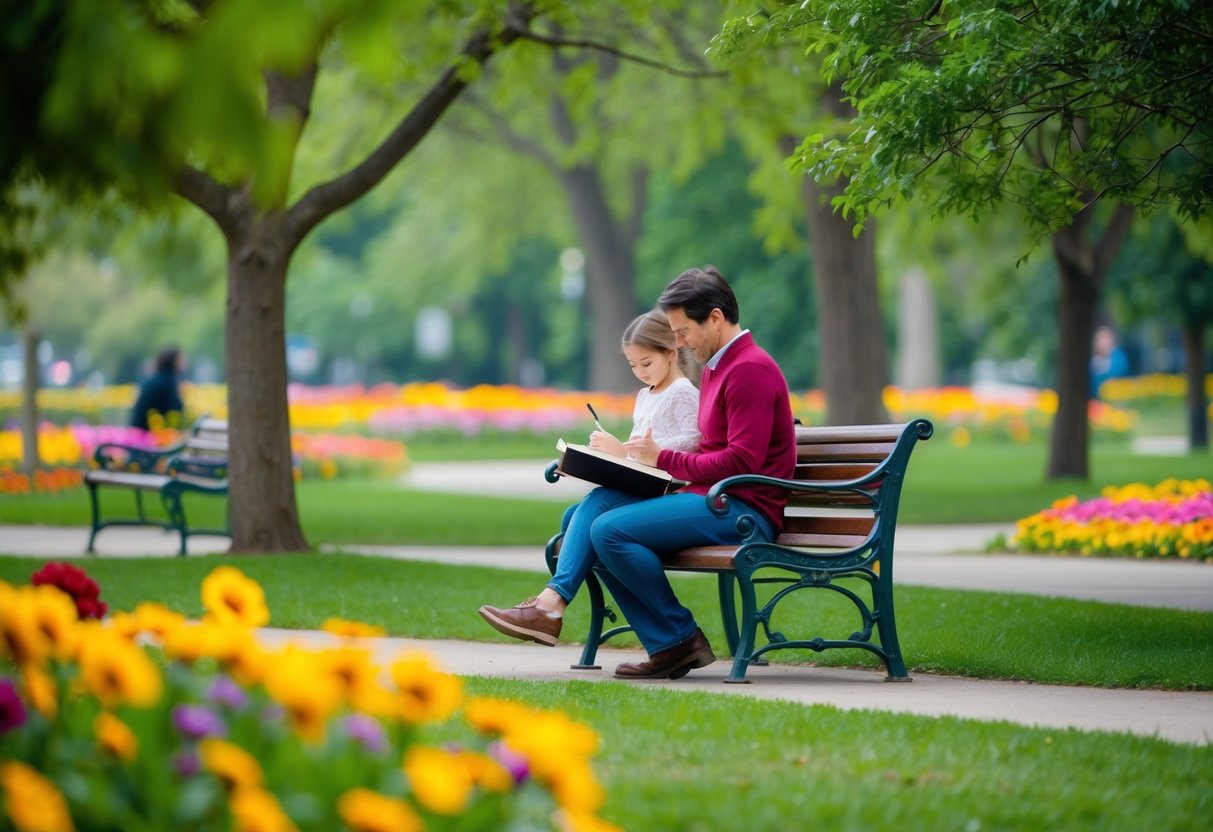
(828, 434)
(833, 471)
(798, 524)
(127, 479)
(845, 452)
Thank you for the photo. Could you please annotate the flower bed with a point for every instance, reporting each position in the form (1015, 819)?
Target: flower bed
(225, 732)
(1173, 519)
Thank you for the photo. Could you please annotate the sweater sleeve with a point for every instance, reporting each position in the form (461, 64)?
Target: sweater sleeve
(750, 405)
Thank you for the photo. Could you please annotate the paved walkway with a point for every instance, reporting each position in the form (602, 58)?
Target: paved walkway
(927, 555)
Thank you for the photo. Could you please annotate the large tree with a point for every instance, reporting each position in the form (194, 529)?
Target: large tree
(210, 101)
(1053, 106)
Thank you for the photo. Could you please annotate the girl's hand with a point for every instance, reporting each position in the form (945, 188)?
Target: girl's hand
(603, 441)
(643, 449)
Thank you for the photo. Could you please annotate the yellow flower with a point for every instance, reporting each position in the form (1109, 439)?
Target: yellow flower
(40, 690)
(54, 613)
(487, 772)
(207, 639)
(256, 810)
(351, 668)
(233, 598)
(157, 620)
(115, 736)
(20, 636)
(298, 681)
(363, 810)
(494, 716)
(567, 821)
(32, 802)
(235, 767)
(118, 672)
(426, 692)
(351, 629)
(439, 779)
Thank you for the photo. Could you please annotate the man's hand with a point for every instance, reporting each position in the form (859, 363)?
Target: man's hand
(643, 449)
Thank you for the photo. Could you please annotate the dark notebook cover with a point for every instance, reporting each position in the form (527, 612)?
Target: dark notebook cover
(585, 463)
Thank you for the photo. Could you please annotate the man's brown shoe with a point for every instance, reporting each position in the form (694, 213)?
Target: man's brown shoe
(527, 621)
(673, 663)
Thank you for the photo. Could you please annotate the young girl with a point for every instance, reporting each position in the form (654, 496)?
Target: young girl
(668, 406)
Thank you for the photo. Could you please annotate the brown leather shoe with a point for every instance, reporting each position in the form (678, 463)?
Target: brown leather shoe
(673, 663)
(527, 621)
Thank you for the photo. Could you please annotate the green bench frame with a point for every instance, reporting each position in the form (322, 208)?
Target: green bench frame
(840, 522)
(196, 465)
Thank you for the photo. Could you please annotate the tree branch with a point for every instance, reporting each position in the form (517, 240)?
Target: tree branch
(216, 201)
(324, 199)
(584, 43)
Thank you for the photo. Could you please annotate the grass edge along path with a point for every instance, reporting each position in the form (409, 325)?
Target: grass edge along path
(690, 760)
(963, 633)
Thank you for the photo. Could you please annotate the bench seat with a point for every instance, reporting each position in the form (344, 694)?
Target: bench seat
(197, 465)
(839, 522)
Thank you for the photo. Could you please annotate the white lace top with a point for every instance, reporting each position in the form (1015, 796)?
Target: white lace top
(673, 414)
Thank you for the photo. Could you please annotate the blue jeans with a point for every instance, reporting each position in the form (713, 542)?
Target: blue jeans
(576, 551)
(628, 540)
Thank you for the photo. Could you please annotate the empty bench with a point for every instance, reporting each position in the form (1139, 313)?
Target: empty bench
(839, 523)
(197, 465)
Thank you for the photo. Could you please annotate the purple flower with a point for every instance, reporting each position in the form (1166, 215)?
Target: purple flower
(226, 692)
(12, 709)
(186, 763)
(367, 732)
(198, 721)
(511, 760)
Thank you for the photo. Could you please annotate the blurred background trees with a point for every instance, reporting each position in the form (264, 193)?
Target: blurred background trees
(578, 171)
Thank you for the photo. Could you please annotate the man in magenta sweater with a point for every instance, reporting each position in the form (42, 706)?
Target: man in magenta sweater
(746, 421)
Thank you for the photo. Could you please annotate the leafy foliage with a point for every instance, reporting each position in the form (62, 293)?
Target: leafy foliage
(1050, 105)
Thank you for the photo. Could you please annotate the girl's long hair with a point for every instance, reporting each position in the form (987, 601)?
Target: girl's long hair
(652, 331)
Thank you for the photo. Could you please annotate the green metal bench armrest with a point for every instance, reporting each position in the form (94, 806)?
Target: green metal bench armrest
(549, 473)
(211, 467)
(144, 459)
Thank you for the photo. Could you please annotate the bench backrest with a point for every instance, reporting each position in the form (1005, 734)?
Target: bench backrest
(871, 456)
(208, 440)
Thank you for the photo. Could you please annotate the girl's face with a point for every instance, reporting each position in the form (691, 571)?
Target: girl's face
(653, 367)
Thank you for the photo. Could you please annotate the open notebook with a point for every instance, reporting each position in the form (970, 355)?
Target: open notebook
(585, 463)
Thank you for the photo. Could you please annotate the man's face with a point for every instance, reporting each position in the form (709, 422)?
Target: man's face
(703, 339)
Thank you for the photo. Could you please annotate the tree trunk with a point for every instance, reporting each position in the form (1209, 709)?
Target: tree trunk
(261, 498)
(610, 292)
(30, 459)
(852, 356)
(1083, 261)
(1194, 372)
(919, 365)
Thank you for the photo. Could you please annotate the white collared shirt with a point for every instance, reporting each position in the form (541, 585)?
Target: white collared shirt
(716, 359)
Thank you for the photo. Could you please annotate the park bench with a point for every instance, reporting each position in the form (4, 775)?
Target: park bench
(196, 465)
(839, 523)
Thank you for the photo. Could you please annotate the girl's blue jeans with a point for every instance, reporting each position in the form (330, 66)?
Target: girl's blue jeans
(626, 533)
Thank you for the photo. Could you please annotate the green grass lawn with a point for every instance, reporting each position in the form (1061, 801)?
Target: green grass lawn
(698, 762)
(981, 634)
(945, 484)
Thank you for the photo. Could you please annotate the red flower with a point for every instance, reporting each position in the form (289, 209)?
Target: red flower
(76, 583)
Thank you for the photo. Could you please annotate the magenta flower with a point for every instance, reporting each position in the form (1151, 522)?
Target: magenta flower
(12, 709)
(511, 761)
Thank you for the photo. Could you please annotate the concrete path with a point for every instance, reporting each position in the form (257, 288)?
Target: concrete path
(940, 556)
(926, 556)
(1181, 717)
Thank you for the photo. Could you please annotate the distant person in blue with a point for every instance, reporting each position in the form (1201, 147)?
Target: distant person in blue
(1108, 360)
(160, 393)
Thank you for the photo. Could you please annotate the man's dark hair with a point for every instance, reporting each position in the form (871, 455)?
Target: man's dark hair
(697, 292)
(166, 360)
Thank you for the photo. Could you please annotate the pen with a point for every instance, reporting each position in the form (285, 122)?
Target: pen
(595, 415)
